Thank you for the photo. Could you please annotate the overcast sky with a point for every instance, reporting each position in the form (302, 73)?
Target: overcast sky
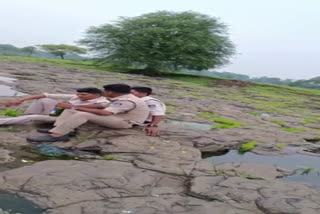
(278, 38)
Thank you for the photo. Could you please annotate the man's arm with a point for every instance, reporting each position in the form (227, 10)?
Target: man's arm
(152, 129)
(94, 111)
(94, 106)
(117, 107)
(18, 101)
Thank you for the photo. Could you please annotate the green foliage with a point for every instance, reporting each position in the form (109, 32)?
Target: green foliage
(246, 147)
(62, 49)
(162, 40)
(281, 145)
(279, 122)
(109, 157)
(294, 130)
(29, 50)
(67, 63)
(223, 123)
(11, 112)
(313, 83)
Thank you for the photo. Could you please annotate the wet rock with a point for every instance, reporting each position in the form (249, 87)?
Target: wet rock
(251, 170)
(258, 196)
(5, 156)
(157, 175)
(53, 184)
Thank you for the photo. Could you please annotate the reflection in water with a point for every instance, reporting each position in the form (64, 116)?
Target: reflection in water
(17, 204)
(301, 163)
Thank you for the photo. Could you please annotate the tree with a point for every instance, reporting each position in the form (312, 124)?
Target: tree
(185, 40)
(61, 50)
(29, 50)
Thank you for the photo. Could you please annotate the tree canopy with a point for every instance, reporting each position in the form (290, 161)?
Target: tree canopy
(159, 40)
(29, 50)
(62, 49)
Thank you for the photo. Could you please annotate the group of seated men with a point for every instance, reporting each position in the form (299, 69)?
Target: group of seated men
(119, 106)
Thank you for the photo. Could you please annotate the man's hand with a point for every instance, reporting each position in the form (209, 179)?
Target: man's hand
(64, 105)
(152, 131)
(14, 102)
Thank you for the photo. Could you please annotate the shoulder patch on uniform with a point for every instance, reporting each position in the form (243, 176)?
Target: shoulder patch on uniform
(115, 105)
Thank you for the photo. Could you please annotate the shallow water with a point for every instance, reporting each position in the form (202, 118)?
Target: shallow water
(7, 90)
(7, 79)
(292, 162)
(190, 125)
(25, 156)
(17, 204)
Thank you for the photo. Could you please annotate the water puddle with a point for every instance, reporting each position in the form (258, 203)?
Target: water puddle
(191, 125)
(307, 168)
(7, 90)
(7, 79)
(26, 155)
(15, 204)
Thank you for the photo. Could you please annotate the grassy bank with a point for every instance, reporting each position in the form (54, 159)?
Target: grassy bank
(263, 89)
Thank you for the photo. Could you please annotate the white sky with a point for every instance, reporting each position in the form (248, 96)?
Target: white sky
(278, 38)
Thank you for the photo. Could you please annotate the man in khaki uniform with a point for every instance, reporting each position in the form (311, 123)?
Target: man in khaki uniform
(156, 107)
(124, 111)
(40, 108)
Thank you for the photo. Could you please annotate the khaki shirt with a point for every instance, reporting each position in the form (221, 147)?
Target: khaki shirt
(156, 107)
(74, 99)
(129, 108)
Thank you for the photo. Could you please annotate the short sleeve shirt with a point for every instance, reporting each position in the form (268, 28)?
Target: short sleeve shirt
(120, 106)
(74, 99)
(156, 107)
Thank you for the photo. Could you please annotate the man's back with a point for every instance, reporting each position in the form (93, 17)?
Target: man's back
(129, 107)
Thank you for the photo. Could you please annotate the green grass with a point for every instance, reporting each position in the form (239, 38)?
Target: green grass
(171, 108)
(10, 129)
(223, 122)
(246, 147)
(281, 145)
(279, 122)
(109, 157)
(255, 113)
(11, 112)
(196, 95)
(313, 119)
(294, 130)
(76, 64)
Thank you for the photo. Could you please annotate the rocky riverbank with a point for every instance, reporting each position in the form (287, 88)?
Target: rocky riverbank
(148, 175)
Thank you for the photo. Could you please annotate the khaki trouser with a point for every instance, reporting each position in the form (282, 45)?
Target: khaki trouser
(41, 106)
(71, 119)
(37, 112)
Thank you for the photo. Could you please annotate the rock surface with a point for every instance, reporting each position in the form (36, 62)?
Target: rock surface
(5, 156)
(148, 175)
(251, 170)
